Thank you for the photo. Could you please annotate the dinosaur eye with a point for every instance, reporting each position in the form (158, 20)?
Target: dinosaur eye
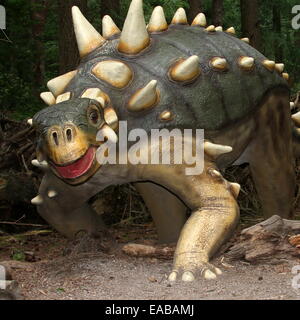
(93, 115)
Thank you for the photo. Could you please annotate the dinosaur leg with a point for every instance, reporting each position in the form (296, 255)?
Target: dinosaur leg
(214, 217)
(167, 211)
(271, 159)
(66, 209)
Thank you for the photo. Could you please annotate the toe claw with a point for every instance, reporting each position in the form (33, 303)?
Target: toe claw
(188, 276)
(173, 276)
(218, 271)
(209, 275)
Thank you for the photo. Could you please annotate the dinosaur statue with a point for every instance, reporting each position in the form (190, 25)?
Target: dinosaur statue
(164, 76)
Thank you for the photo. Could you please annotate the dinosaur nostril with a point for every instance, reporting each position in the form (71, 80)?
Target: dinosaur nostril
(55, 138)
(69, 134)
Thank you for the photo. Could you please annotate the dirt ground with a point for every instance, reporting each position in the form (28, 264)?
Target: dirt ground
(60, 269)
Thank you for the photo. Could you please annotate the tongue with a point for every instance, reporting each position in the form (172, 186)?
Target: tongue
(79, 167)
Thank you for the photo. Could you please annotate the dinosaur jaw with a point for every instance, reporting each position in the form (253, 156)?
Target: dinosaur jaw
(79, 170)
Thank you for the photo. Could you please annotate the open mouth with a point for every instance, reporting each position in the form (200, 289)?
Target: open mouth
(77, 168)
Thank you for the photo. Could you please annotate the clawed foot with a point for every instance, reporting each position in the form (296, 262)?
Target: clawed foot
(207, 271)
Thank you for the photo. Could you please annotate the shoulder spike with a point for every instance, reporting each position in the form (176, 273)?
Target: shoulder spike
(109, 133)
(211, 28)
(37, 200)
(158, 22)
(186, 70)
(246, 63)
(63, 97)
(219, 28)
(179, 17)
(235, 188)
(109, 28)
(144, 98)
(296, 118)
(30, 122)
(219, 64)
(116, 73)
(95, 94)
(279, 67)
(231, 30)
(247, 40)
(58, 85)
(215, 150)
(111, 118)
(88, 38)
(292, 105)
(200, 20)
(48, 98)
(269, 64)
(286, 76)
(134, 37)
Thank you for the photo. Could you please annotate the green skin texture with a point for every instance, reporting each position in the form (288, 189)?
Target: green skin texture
(248, 110)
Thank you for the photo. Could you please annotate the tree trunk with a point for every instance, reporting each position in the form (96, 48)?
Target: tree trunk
(38, 15)
(250, 22)
(195, 8)
(277, 31)
(68, 50)
(112, 8)
(218, 12)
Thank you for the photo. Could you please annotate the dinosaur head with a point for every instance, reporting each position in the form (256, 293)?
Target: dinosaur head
(67, 138)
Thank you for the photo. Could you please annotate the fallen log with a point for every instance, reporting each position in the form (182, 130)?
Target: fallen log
(270, 241)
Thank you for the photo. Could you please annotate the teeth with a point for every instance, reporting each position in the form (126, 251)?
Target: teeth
(246, 63)
(88, 38)
(37, 200)
(111, 118)
(158, 21)
(247, 40)
(269, 64)
(30, 122)
(116, 73)
(52, 194)
(109, 28)
(57, 85)
(186, 70)
(63, 97)
(48, 98)
(95, 94)
(219, 28)
(180, 17)
(236, 188)
(200, 20)
(144, 98)
(134, 37)
(216, 150)
(231, 30)
(279, 67)
(219, 64)
(211, 28)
